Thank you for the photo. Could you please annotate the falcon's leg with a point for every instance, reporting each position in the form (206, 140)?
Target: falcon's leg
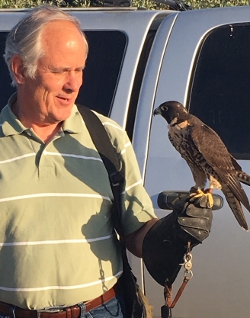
(213, 184)
(199, 179)
(198, 191)
(209, 195)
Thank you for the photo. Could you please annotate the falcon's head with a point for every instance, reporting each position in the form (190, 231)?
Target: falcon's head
(173, 112)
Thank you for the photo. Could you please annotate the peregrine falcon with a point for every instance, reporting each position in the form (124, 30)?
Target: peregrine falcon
(206, 156)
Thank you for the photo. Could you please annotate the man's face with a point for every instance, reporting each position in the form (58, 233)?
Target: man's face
(49, 98)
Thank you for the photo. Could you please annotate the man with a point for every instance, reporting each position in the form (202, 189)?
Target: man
(59, 255)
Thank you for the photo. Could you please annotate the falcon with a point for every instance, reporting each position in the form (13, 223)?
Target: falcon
(207, 157)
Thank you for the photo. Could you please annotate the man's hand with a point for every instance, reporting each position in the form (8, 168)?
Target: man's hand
(166, 241)
(195, 218)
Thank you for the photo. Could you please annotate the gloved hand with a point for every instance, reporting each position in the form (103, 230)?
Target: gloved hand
(165, 244)
(194, 217)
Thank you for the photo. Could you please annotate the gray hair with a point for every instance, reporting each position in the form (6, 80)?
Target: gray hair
(25, 38)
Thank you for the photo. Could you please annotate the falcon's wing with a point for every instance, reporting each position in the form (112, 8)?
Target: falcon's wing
(217, 156)
(198, 173)
(211, 146)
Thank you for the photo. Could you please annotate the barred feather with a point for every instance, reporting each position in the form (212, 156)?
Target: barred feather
(243, 177)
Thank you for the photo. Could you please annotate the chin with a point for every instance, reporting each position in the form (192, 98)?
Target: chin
(63, 114)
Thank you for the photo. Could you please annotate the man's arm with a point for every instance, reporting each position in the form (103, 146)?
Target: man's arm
(134, 240)
(162, 243)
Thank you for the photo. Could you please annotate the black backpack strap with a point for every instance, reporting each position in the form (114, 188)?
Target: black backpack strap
(109, 157)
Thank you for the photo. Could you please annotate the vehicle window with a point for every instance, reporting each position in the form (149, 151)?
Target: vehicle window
(220, 94)
(101, 75)
(106, 51)
(5, 80)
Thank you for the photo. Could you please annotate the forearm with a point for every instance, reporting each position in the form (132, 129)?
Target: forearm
(162, 250)
(166, 243)
(134, 240)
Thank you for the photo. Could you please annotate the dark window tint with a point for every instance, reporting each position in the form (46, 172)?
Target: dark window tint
(5, 81)
(106, 51)
(220, 95)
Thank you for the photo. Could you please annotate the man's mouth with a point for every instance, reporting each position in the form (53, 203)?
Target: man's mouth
(63, 98)
(66, 101)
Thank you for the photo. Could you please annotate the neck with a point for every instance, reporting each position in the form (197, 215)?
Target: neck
(182, 118)
(43, 131)
(46, 133)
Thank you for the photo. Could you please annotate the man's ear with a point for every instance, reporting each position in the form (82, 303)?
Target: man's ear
(17, 66)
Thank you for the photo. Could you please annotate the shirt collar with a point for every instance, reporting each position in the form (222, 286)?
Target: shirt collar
(73, 124)
(11, 125)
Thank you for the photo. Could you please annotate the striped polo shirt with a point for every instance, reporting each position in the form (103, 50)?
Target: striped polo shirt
(57, 242)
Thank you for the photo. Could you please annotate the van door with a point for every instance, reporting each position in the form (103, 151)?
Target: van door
(206, 67)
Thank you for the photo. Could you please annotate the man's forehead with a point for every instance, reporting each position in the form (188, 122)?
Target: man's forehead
(61, 30)
(62, 34)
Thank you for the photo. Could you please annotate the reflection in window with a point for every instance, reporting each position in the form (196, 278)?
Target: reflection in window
(220, 95)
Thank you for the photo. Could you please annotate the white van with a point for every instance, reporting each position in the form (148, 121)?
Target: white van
(201, 58)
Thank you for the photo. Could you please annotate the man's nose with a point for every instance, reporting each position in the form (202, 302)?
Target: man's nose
(73, 81)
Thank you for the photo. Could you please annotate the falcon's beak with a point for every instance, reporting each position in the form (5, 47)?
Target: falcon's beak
(157, 111)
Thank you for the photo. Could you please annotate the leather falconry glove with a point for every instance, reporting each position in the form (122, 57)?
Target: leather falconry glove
(165, 244)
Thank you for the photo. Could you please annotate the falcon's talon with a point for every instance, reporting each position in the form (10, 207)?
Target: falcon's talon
(197, 194)
(194, 191)
(210, 200)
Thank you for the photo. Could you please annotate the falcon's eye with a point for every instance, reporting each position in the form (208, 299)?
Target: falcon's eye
(164, 108)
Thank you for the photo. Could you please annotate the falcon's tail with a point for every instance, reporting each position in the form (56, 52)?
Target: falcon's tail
(235, 206)
(243, 177)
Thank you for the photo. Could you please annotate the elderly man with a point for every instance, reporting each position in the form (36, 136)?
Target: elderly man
(59, 255)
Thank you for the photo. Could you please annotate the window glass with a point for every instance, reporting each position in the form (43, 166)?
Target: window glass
(5, 81)
(106, 51)
(101, 75)
(220, 95)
